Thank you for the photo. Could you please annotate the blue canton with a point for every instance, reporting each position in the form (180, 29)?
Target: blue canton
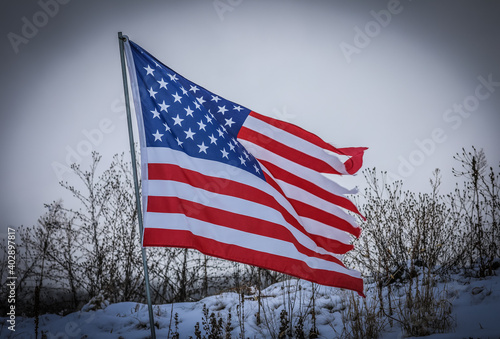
(183, 116)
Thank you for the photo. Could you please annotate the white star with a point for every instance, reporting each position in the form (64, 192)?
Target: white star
(177, 97)
(222, 109)
(156, 114)
(189, 111)
(231, 146)
(167, 127)
(184, 92)
(189, 134)
(243, 161)
(196, 104)
(237, 108)
(194, 88)
(202, 125)
(246, 154)
(164, 106)
(201, 100)
(224, 153)
(256, 168)
(209, 119)
(221, 134)
(213, 140)
(157, 135)
(163, 84)
(215, 98)
(203, 148)
(173, 77)
(149, 70)
(152, 93)
(229, 122)
(178, 142)
(178, 120)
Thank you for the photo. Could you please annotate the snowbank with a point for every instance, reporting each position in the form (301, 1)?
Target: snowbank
(476, 309)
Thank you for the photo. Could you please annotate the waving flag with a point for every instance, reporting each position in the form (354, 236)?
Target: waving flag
(238, 185)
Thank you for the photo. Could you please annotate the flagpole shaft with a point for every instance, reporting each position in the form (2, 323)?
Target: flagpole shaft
(121, 38)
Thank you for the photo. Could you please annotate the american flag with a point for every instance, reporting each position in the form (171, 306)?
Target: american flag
(238, 185)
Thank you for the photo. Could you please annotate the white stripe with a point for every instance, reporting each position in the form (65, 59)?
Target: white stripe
(246, 240)
(318, 228)
(296, 142)
(165, 155)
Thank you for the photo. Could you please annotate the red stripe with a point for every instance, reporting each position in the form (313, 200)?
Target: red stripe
(352, 165)
(292, 179)
(270, 180)
(285, 151)
(293, 267)
(239, 190)
(312, 212)
(231, 220)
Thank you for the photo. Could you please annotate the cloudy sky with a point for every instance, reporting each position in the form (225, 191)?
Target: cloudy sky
(415, 81)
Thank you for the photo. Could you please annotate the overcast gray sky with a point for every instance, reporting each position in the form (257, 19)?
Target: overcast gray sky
(415, 81)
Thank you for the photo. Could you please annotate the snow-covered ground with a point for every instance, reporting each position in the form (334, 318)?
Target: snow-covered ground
(476, 310)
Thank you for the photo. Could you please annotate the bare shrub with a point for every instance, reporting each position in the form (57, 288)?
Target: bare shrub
(361, 318)
(406, 238)
(476, 208)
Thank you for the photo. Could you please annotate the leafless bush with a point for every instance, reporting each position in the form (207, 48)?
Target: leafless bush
(361, 318)
(476, 212)
(404, 234)
(408, 239)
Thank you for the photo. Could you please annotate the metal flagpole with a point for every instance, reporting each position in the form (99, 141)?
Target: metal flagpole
(121, 39)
